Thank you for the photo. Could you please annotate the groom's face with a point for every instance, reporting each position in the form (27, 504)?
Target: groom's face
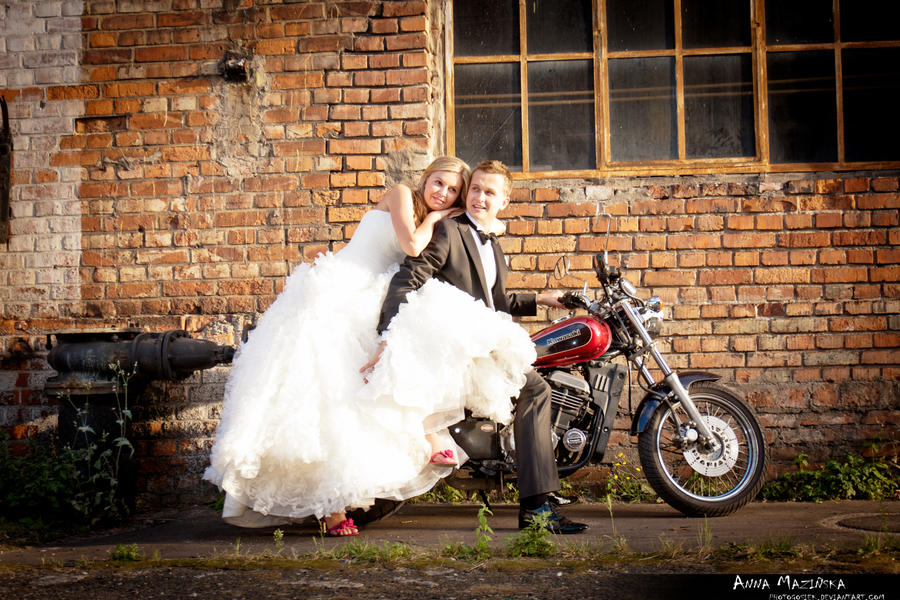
(486, 197)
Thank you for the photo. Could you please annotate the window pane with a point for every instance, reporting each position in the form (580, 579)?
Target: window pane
(799, 21)
(640, 25)
(718, 106)
(869, 20)
(871, 118)
(802, 112)
(561, 115)
(714, 23)
(489, 113)
(559, 26)
(485, 28)
(642, 109)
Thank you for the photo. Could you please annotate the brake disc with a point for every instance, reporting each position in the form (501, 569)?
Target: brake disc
(720, 461)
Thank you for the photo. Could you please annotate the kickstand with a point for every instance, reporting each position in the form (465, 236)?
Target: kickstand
(484, 499)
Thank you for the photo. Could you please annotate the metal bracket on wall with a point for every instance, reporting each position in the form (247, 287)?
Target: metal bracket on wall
(6, 149)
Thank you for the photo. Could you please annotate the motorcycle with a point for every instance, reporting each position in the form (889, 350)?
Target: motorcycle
(700, 444)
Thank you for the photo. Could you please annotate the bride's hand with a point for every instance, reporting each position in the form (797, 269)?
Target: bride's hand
(367, 368)
(454, 211)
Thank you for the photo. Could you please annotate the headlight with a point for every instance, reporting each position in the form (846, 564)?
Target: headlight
(653, 324)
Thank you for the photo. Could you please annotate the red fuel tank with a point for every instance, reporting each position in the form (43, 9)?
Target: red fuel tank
(574, 340)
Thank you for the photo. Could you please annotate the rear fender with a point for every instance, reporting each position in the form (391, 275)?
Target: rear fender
(654, 398)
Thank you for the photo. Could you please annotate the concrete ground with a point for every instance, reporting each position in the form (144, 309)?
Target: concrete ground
(198, 531)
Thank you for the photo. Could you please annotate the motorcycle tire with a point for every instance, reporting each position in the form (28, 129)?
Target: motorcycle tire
(382, 509)
(689, 477)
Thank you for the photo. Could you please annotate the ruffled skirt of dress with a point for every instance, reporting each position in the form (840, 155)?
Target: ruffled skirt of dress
(303, 434)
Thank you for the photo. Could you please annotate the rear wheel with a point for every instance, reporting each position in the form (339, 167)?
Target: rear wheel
(694, 479)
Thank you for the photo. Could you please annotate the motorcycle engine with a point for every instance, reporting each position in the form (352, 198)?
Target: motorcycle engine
(570, 402)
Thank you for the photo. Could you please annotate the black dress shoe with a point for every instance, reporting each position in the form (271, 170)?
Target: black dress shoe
(559, 500)
(556, 523)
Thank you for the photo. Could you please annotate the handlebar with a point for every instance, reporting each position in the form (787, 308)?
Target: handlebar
(573, 300)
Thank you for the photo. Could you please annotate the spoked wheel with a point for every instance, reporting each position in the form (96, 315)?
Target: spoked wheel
(695, 479)
(382, 509)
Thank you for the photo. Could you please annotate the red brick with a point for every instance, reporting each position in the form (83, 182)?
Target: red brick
(126, 21)
(385, 26)
(748, 240)
(324, 43)
(184, 87)
(276, 47)
(885, 184)
(859, 238)
(855, 185)
(804, 240)
(298, 80)
(358, 146)
(160, 53)
(402, 9)
(312, 147)
(182, 19)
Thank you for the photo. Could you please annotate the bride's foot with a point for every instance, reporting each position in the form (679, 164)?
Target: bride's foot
(439, 456)
(338, 525)
(443, 458)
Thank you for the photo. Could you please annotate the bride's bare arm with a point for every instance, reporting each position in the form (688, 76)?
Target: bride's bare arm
(399, 202)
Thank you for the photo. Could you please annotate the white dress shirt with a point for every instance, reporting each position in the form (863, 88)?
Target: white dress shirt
(486, 251)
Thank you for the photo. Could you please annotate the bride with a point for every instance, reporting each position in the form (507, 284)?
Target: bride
(303, 433)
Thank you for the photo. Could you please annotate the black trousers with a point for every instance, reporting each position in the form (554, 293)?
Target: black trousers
(534, 445)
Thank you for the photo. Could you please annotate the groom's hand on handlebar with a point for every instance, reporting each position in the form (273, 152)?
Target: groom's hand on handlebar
(551, 299)
(572, 300)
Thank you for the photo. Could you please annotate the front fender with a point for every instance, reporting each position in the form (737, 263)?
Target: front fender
(652, 400)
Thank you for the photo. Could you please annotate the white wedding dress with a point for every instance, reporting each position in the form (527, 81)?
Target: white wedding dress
(303, 434)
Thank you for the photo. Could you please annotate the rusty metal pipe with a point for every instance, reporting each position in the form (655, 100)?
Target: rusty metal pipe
(171, 355)
(87, 360)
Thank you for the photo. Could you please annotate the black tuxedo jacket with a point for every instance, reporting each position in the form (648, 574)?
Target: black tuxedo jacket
(452, 256)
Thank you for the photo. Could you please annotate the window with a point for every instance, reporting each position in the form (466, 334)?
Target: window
(588, 87)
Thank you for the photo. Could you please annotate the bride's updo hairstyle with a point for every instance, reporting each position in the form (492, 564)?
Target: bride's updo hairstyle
(442, 163)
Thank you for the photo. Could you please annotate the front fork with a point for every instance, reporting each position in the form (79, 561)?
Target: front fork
(670, 378)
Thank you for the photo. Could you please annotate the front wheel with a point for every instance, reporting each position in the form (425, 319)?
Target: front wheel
(692, 478)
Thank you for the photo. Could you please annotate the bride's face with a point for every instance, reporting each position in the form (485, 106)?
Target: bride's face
(442, 189)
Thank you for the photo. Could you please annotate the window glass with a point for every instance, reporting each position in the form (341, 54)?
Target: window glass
(871, 90)
(802, 107)
(488, 113)
(559, 26)
(561, 115)
(681, 82)
(640, 25)
(642, 109)
(869, 20)
(799, 21)
(718, 106)
(485, 28)
(715, 23)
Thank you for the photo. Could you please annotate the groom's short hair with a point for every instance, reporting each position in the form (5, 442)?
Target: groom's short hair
(495, 167)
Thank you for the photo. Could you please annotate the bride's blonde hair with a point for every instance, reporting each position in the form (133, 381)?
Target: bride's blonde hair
(442, 163)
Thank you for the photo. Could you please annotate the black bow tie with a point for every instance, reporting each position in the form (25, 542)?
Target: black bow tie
(484, 237)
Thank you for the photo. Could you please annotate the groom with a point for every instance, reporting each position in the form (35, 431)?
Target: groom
(461, 253)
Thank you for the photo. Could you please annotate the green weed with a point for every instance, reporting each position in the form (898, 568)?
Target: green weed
(483, 536)
(535, 540)
(126, 552)
(278, 539)
(362, 551)
(626, 482)
(854, 478)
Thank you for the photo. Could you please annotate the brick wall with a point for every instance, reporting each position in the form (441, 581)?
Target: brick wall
(151, 191)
